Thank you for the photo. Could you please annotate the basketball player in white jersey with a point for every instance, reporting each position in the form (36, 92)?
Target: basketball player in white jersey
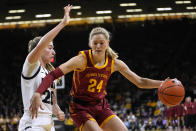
(35, 68)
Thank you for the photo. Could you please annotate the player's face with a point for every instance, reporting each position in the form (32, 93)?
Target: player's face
(48, 53)
(99, 43)
(188, 99)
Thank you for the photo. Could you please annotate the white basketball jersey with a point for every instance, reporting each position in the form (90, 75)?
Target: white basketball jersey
(31, 78)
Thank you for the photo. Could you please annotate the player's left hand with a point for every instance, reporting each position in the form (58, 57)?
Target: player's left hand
(58, 112)
(60, 115)
(66, 17)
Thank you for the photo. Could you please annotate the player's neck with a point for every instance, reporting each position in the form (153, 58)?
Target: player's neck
(99, 59)
(42, 63)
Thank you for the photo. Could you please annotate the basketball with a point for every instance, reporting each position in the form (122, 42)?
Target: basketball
(171, 92)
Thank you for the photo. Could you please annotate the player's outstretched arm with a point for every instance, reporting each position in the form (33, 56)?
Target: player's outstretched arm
(134, 78)
(35, 54)
(77, 62)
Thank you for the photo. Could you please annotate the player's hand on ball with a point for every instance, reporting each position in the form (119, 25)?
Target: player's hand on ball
(171, 92)
(35, 105)
(167, 79)
(61, 116)
(66, 17)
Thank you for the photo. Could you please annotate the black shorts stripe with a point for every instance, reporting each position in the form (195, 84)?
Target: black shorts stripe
(28, 78)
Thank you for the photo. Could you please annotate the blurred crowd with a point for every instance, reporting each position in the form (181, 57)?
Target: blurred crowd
(153, 49)
(151, 114)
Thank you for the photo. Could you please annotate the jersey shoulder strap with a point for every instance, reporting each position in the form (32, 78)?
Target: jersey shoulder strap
(29, 78)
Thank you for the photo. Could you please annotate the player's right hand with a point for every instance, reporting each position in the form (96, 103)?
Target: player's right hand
(35, 104)
(66, 17)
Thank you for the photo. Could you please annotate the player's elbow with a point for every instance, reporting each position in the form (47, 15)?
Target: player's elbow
(142, 83)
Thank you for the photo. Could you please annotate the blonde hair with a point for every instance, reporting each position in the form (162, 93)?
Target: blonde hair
(32, 44)
(99, 30)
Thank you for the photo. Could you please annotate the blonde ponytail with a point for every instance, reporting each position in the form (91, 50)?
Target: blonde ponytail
(50, 67)
(111, 53)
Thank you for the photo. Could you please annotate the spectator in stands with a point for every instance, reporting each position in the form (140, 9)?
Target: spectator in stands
(144, 113)
(1, 122)
(159, 123)
(15, 121)
(150, 112)
(150, 124)
(137, 113)
(188, 118)
(126, 122)
(8, 123)
(168, 116)
(179, 114)
(132, 120)
(141, 124)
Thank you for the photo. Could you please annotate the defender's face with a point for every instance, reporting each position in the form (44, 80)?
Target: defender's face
(99, 44)
(48, 53)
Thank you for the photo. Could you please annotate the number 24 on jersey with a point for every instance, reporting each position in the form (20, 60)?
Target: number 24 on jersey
(95, 86)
